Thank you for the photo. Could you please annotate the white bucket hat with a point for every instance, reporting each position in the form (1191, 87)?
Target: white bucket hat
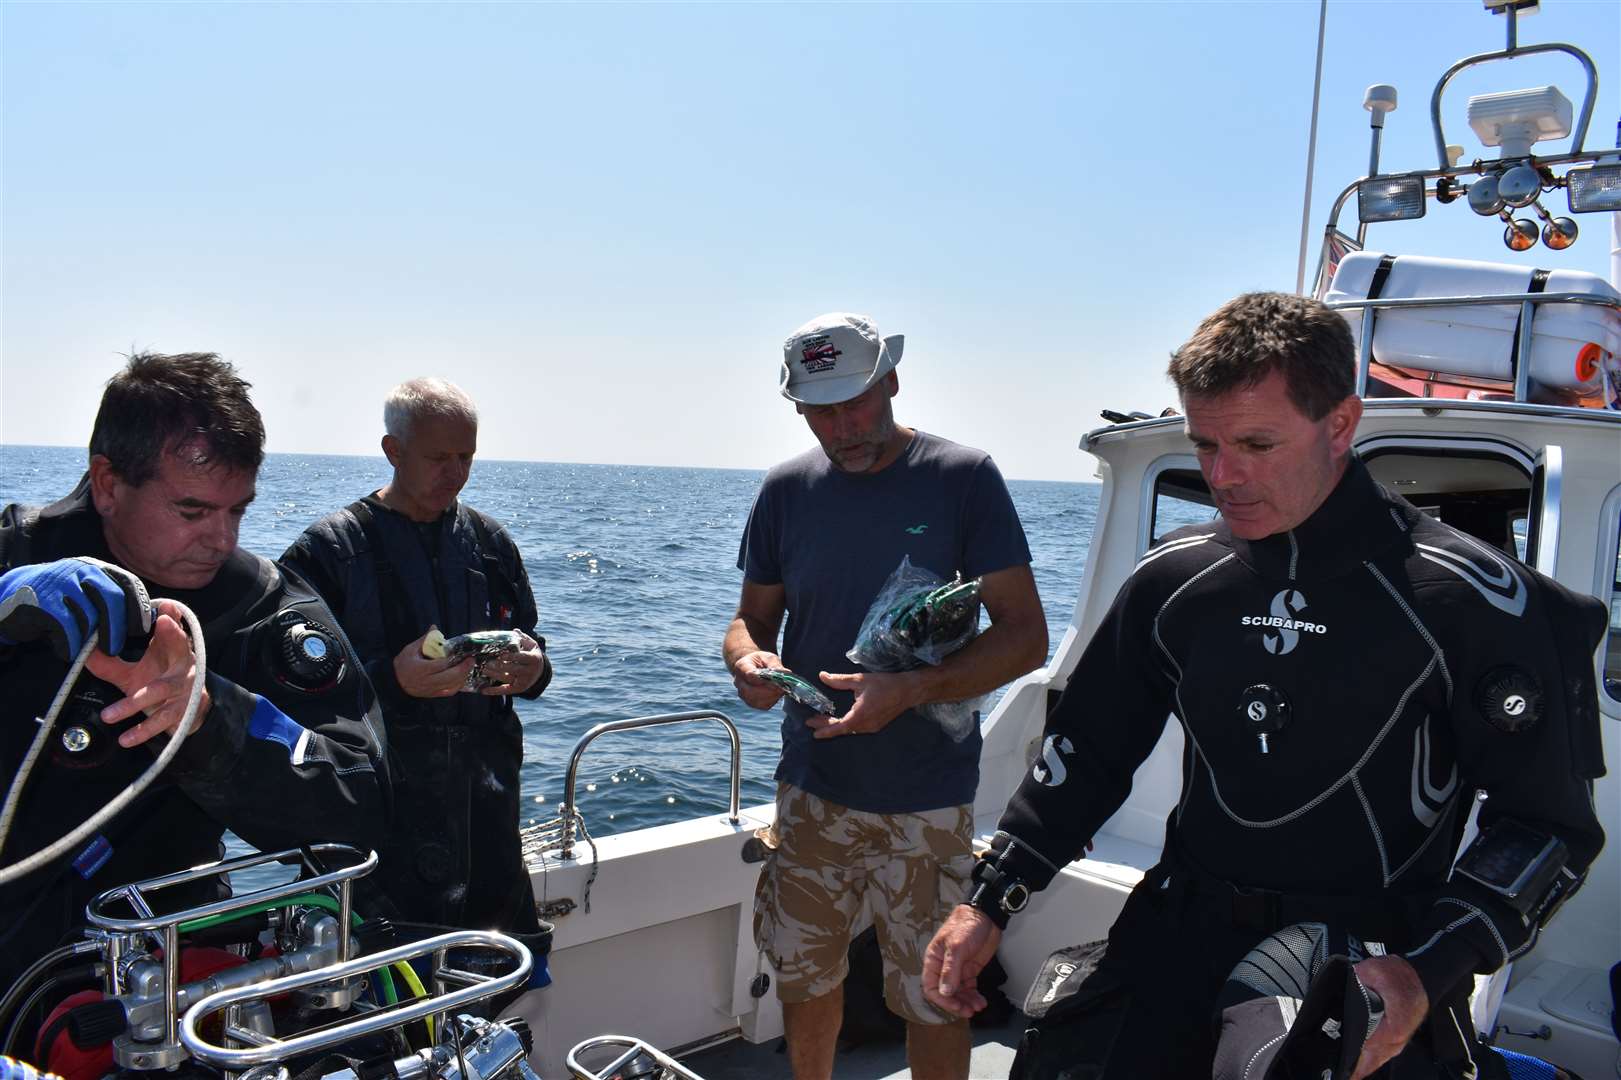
(836, 357)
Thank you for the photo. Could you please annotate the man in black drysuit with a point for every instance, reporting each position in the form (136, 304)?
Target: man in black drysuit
(392, 565)
(287, 749)
(1348, 672)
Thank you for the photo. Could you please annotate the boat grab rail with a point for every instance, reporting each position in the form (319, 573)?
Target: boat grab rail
(633, 1048)
(1528, 305)
(265, 1049)
(1512, 49)
(567, 813)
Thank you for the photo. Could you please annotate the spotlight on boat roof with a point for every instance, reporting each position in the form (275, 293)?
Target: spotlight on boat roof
(1595, 188)
(1390, 199)
(1515, 120)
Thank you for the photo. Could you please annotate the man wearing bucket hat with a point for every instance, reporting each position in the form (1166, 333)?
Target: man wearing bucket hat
(874, 806)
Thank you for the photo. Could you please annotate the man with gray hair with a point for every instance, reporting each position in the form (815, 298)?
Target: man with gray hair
(394, 565)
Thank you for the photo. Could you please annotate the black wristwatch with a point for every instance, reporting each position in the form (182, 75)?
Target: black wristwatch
(997, 894)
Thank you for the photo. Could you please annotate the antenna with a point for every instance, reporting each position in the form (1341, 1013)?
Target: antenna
(1311, 148)
(1379, 100)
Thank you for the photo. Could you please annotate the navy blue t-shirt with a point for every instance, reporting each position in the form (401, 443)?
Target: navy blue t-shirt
(831, 539)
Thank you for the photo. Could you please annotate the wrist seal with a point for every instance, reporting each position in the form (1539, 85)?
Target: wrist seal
(999, 895)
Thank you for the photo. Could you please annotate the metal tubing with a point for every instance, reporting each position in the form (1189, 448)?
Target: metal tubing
(346, 910)
(566, 850)
(133, 893)
(1522, 349)
(369, 1023)
(1553, 490)
(634, 1047)
(1475, 301)
(171, 982)
(1578, 140)
(1364, 352)
(1528, 303)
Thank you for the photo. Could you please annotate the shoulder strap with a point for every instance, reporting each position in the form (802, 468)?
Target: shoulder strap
(399, 626)
(503, 590)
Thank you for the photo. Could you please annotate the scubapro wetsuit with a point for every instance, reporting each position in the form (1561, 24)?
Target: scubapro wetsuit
(283, 757)
(1387, 643)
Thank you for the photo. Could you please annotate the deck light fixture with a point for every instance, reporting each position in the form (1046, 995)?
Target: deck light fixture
(1595, 188)
(1390, 199)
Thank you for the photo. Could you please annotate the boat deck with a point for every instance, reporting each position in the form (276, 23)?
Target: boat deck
(994, 1046)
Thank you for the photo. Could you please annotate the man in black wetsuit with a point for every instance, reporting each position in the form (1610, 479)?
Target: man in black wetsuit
(287, 748)
(1348, 672)
(393, 564)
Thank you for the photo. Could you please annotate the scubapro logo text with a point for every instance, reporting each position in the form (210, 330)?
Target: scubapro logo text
(1283, 628)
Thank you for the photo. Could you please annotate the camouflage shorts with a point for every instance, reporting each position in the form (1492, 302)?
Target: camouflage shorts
(909, 870)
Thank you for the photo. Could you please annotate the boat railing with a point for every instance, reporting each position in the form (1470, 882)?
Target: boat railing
(558, 834)
(636, 1053)
(1529, 302)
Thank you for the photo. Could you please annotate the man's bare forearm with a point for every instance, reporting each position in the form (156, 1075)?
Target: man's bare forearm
(747, 635)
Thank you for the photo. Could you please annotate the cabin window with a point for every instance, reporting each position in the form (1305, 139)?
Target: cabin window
(1180, 498)
(1470, 486)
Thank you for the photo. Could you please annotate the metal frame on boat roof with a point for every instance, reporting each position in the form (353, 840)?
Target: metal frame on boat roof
(1512, 50)
(1528, 303)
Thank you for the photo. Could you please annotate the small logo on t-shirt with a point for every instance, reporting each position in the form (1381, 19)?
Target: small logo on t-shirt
(917, 530)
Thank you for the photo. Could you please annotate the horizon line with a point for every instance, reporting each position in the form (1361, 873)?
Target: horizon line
(528, 461)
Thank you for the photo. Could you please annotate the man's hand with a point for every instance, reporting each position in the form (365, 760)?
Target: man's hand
(961, 948)
(880, 697)
(420, 677)
(67, 600)
(754, 691)
(515, 672)
(1406, 1006)
(158, 684)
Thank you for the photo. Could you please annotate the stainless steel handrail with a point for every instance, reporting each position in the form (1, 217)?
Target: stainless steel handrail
(1528, 304)
(268, 1050)
(633, 1047)
(568, 813)
(1579, 137)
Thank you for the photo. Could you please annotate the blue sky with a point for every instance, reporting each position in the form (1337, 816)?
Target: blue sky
(603, 219)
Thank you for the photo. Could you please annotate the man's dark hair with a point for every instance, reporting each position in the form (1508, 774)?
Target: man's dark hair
(160, 404)
(1251, 336)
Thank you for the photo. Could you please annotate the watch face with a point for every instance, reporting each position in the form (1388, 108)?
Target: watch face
(1017, 895)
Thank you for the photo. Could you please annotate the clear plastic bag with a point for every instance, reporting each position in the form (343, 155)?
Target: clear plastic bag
(919, 618)
(484, 646)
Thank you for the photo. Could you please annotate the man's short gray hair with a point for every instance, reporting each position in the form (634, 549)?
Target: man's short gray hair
(428, 396)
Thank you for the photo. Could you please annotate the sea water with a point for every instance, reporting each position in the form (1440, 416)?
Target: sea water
(634, 569)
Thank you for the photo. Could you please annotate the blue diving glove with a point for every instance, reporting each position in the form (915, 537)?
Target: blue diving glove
(66, 600)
